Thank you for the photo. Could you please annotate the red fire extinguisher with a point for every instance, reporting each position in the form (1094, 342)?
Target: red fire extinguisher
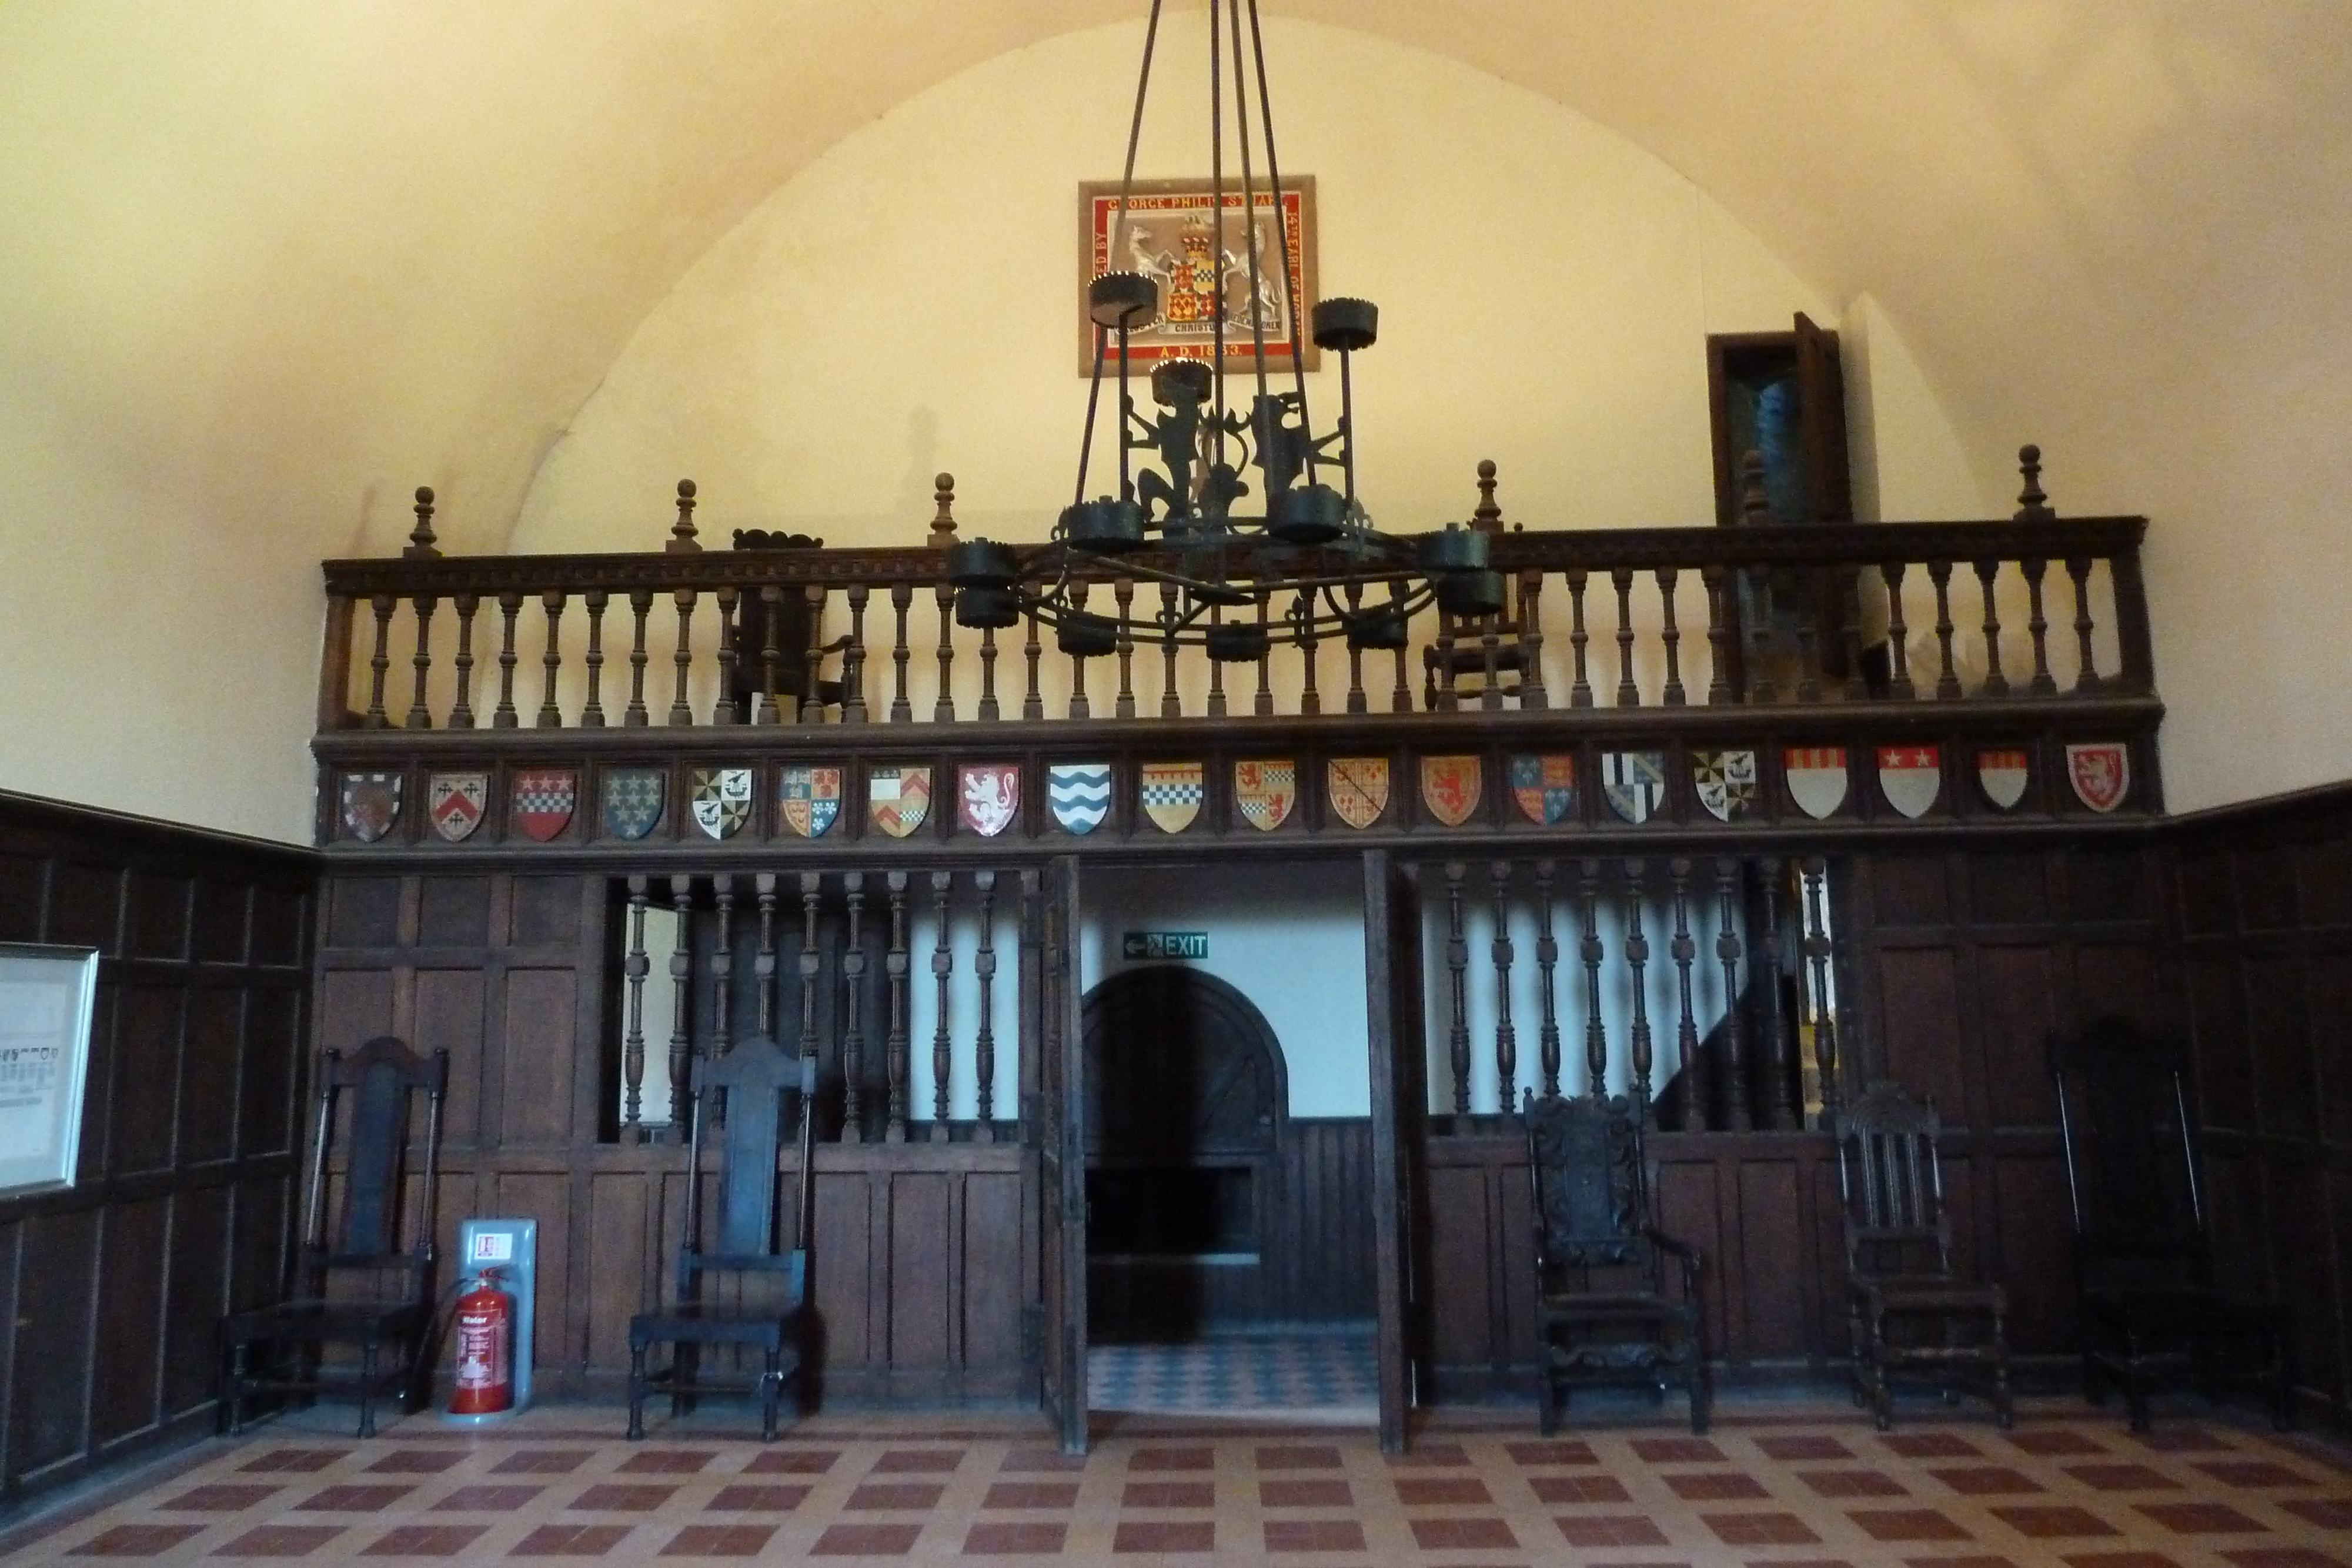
(485, 1338)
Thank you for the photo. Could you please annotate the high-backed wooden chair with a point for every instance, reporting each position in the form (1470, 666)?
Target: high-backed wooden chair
(743, 1293)
(2153, 1310)
(1911, 1313)
(1604, 1315)
(363, 1290)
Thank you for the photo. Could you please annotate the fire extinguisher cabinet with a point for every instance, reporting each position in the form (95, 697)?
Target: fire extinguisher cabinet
(510, 1247)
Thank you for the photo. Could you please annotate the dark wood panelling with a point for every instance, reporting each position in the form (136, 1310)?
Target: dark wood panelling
(116, 1285)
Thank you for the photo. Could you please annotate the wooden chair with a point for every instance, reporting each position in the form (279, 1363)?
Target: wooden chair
(744, 1293)
(363, 1290)
(1911, 1314)
(1604, 1316)
(2152, 1310)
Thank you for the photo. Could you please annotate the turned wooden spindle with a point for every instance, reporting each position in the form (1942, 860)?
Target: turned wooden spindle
(1671, 636)
(1490, 663)
(1533, 694)
(896, 1043)
(504, 716)
(1358, 702)
(853, 661)
(1637, 957)
(1436, 696)
(421, 539)
(591, 713)
(1694, 1106)
(1263, 704)
(983, 969)
(811, 959)
(943, 523)
(635, 966)
(1123, 593)
(1996, 683)
(2086, 678)
(1718, 634)
(943, 700)
(1756, 634)
(942, 970)
(1898, 635)
(2033, 506)
(1507, 1034)
(1849, 587)
(763, 962)
(1947, 681)
(380, 661)
(681, 539)
(1457, 968)
(680, 710)
(1596, 1034)
(2037, 628)
(1808, 661)
(1547, 966)
(419, 715)
(1400, 693)
(681, 987)
(550, 717)
(853, 1002)
(989, 708)
(1310, 699)
(1216, 708)
(812, 704)
(1579, 691)
(1819, 950)
(641, 605)
(1081, 705)
(461, 715)
(1171, 706)
(1628, 694)
(1033, 698)
(731, 636)
(902, 598)
(1741, 1118)
(722, 968)
(1783, 1107)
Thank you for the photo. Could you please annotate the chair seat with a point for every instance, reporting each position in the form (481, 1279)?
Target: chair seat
(1929, 1293)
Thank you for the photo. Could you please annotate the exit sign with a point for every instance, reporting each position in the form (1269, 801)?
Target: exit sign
(1164, 945)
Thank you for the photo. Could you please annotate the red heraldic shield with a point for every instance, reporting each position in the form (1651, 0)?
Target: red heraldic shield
(2100, 774)
(988, 796)
(544, 800)
(1450, 787)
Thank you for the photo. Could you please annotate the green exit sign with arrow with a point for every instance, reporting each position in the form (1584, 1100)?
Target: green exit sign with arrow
(1136, 945)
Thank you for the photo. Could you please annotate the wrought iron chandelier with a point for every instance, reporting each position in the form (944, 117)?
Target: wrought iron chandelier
(1306, 559)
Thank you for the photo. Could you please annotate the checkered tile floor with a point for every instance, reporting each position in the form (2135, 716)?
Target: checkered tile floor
(1777, 1484)
(1332, 1374)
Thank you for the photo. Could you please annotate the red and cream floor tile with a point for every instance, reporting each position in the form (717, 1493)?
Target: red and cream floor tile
(1776, 1486)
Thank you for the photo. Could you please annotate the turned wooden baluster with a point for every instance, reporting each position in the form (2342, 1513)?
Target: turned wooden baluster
(1727, 951)
(1671, 636)
(552, 662)
(1718, 636)
(1263, 704)
(1947, 684)
(1762, 691)
(1310, 698)
(635, 966)
(1628, 694)
(722, 968)
(1506, 1035)
(772, 655)
(1695, 1108)
(1547, 963)
(984, 967)
(1123, 590)
(1457, 966)
(1356, 701)
(902, 597)
(812, 887)
(419, 715)
(380, 661)
(1580, 690)
(853, 661)
(1996, 683)
(2037, 627)
(811, 707)
(1596, 1034)
(1081, 705)
(1781, 1108)
(504, 716)
(1033, 700)
(1809, 657)
(852, 989)
(461, 716)
(681, 985)
(1533, 694)
(2086, 679)
(591, 713)
(1897, 634)
(641, 604)
(989, 710)
(1216, 668)
(1437, 692)
(1490, 663)
(1818, 952)
(764, 965)
(942, 969)
(1637, 955)
(683, 598)
(896, 1043)
(724, 712)
(943, 703)
(1849, 581)
(1400, 693)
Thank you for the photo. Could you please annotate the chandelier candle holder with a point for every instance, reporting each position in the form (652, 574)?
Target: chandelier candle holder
(1230, 511)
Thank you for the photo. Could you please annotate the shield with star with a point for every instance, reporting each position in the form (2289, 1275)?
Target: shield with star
(808, 800)
(633, 800)
(1450, 787)
(2100, 772)
(1816, 776)
(1357, 788)
(544, 800)
(454, 803)
(370, 804)
(1725, 782)
(1634, 782)
(1544, 787)
(721, 801)
(1911, 777)
(899, 798)
(1078, 794)
(1265, 792)
(1170, 793)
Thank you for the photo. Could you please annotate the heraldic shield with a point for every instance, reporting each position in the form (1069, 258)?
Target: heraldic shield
(1170, 793)
(1544, 787)
(2003, 775)
(1911, 777)
(1726, 782)
(721, 799)
(1634, 782)
(899, 798)
(634, 797)
(808, 800)
(1358, 789)
(1265, 792)
(370, 804)
(1816, 777)
(454, 803)
(1450, 787)
(988, 796)
(1078, 794)
(543, 801)
(2100, 774)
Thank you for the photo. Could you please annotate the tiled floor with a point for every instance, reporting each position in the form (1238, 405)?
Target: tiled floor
(1332, 1373)
(1776, 1484)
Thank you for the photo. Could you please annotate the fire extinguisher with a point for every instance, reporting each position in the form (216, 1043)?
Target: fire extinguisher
(484, 1353)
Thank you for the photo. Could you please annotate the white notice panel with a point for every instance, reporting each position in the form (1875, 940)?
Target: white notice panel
(45, 1008)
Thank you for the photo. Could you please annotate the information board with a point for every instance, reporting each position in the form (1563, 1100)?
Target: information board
(45, 1010)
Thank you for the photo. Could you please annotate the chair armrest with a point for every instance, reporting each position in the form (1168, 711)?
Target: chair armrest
(1689, 1255)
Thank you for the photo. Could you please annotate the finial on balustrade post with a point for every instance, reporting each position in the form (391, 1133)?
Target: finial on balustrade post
(1488, 517)
(943, 526)
(2033, 506)
(682, 533)
(1755, 505)
(420, 537)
